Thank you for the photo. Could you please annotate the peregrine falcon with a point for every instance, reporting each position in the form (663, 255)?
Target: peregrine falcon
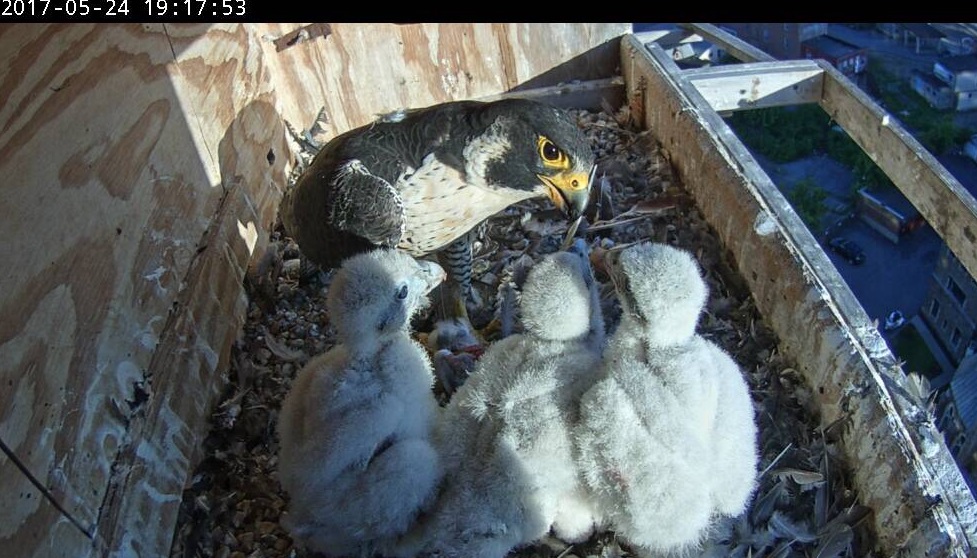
(421, 180)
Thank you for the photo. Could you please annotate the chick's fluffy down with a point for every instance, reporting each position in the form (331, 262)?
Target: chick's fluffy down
(505, 436)
(356, 457)
(666, 439)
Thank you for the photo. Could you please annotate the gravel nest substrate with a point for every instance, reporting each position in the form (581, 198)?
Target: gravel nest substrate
(805, 504)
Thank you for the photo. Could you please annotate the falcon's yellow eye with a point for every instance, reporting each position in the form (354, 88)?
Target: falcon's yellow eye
(552, 156)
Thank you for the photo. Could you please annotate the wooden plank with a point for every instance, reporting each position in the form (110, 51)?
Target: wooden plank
(360, 70)
(945, 204)
(102, 212)
(736, 47)
(666, 36)
(47, 535)
(219, 72)
(922, 506)
(26, 491)
(758, 85)
(585, 95)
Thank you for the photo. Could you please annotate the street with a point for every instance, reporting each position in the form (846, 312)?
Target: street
(893, 276)
(897, 276)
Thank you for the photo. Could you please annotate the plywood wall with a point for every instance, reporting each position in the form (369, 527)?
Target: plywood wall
(140, 168)
(358, 71)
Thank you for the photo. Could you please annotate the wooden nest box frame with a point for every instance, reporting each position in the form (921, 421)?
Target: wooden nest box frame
(144, 165)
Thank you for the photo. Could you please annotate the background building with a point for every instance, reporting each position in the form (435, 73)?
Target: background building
(850, 59)
(957, 408)
(960, 74)
(950, 309)
(781, 40)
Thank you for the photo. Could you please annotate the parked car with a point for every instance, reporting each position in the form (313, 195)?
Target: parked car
(894, 320)
(847, 249)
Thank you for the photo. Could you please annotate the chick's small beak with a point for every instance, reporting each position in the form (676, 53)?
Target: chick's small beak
(432, 275)
(570, 191)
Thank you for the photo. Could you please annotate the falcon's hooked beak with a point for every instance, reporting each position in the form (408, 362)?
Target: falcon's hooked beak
(569, 190)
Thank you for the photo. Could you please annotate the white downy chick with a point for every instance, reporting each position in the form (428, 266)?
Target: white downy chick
(356, 455)
(667, 440)
(505, 436)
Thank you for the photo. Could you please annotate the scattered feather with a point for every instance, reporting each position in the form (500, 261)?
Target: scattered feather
(802, 478)
(836, 542)
(786, 528)
(282, 351)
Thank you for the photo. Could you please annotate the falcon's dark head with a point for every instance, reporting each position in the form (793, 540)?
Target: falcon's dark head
(534, 148)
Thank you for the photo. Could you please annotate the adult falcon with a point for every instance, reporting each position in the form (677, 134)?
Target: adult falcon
(421, 180)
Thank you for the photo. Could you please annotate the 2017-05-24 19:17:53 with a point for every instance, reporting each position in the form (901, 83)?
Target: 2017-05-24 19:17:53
(120, 8)
(196, 7)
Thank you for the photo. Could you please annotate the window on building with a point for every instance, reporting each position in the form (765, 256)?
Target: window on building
(956, 291)
(935, 308)
(955, 338)
(957, 444)
(946, 421)
(955, 260)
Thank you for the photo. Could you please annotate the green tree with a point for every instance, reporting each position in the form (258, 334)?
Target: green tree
(939, 136)
(808, 201)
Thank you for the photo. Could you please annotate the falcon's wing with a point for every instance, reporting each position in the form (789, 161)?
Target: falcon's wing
(366, 205)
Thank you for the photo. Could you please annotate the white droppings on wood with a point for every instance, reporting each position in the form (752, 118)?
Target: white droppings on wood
(765, 224)
(249, 234)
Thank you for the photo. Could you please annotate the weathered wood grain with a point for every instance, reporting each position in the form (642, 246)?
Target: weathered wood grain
(143, 166)
(219, 72)
(758, 85)
(918, 503)
(102, 210)
(359, 71)
(591, 95)
(736, 47)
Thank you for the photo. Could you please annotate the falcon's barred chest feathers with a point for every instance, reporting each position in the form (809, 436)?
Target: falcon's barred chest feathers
(422, 181)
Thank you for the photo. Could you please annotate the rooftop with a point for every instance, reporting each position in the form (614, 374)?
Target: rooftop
(930, 79)
(923, 30)
(964, 390)
(896, 200)
(959, 63)
(832, 46)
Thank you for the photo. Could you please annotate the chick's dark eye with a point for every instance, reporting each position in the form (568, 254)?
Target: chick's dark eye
(402, 292)
(550, 151)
